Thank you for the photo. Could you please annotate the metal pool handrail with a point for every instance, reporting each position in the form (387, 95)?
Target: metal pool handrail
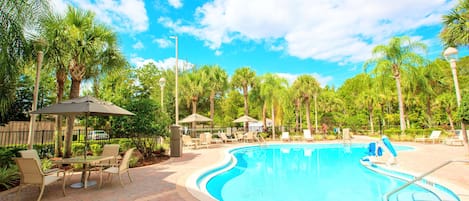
(387, 195)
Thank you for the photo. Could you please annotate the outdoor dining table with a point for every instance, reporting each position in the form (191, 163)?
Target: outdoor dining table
(86, 164)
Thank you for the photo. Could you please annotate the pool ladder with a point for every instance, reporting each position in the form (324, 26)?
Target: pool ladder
(416, 179)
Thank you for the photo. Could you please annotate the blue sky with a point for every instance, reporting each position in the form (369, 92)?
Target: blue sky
(329, 39)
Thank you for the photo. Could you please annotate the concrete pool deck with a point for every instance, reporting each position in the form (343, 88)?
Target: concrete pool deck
(166, 181)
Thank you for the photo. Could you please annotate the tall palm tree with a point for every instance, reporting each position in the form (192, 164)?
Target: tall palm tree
(89, 41)
(57, 56)
(454, 32)
(397, 56)
(244, 78)
(307, 87)
(217, 82)
(16, 19)
(270, 89)
(193, 88)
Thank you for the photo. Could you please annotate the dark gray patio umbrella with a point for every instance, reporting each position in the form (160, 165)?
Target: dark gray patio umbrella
(88, 106)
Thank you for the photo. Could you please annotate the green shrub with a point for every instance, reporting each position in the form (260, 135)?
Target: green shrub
(78, 149)
(133, 161)
(96, 149)
(8, 177)
(331, 137)
(318, 137)
(125, 144)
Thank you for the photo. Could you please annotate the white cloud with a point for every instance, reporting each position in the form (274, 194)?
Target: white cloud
(337, 31)
(175, 3)
(218, 52)
(138, 45)
(162, 64)
(323, 80)
(124, 15)
(162, 42)
(59, 5)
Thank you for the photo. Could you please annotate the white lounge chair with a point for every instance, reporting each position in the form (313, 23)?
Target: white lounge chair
(226, 139)
(456, 140)
(286, 136)
(346, 137)
(307, 135)
(187, 141)
(434, 137)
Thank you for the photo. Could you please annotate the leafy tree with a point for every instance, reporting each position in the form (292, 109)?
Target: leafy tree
(271, 87)
(244, 78)
(397, 56)
(193, 85)
(307, 87)
(18, 20)
(217, 81)
(456, 25)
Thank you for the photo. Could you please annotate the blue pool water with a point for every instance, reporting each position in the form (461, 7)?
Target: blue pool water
(302, 172)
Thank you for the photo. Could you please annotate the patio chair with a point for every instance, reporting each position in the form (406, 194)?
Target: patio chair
(286, 136)
(226, 139)
(249, 136)
(346, 137)
(434, 136)
(205, 139)
(456, 140)
(187, 141)
(31, 174)
(215, 140)
(108, 150)
(122, 168)
(307, 135)
(32, 153)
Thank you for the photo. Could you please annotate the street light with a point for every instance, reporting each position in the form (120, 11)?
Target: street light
(451, 55)
(176, 83)
(162, 83)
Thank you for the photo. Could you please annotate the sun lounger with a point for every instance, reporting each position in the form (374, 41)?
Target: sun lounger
(434, 137)
(307, 135)
(286, 136)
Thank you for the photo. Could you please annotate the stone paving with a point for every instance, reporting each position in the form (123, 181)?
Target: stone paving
(166, 181)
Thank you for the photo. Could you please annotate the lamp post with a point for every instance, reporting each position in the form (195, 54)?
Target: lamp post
(176, 83)
(451, 54)
(162, 83)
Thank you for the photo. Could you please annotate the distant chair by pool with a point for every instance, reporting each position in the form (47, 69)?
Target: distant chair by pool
(346, 137)
(286, 136)
(434, 136)
(456, 140)
(307, 135)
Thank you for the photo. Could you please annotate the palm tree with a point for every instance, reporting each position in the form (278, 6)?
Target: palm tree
(243, 79)
(89, 42)
(18, 20)
(454, 32)
(271, 88)
(193, 87)
(57, 56)
(394, 58)
(307, 87)
(217, 82)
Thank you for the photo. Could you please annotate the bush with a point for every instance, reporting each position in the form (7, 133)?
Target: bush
(125, 144)
(78, 149)
(463, 111)
(96, 149)
(331, 137)
(318, 137)
(9, 177)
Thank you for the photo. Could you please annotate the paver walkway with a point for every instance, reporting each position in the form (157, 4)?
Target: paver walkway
(166, 181)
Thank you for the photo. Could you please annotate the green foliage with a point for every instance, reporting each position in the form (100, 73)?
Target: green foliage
(318, 137)
(133, 161)
(46, 164)
(96, 149)
(463, 111)
(78, 149)
(125, 144)
(331, 137)
(9, 177)
(7, 155)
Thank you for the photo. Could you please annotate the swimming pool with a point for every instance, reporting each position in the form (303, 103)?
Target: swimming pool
(299, 172)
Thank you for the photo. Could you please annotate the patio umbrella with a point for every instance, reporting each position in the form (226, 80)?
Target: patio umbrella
(88, 106)
(195, 118)
(245, 119)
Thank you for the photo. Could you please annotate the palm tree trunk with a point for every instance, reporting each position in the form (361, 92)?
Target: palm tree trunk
(60, 77)
(316, 111)
(273, 120)
(74, 93)
(212, 107)
(397, 77)
(264, 116)
(246, 108)
(308, 118)
(450, 119)
(297, 119)
(194, 110)
(370, 111)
